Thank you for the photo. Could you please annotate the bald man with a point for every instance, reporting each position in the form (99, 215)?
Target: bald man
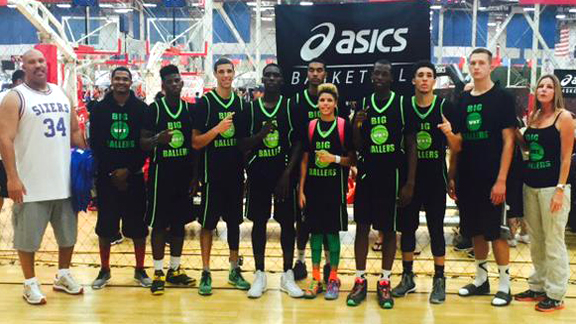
(38, 126)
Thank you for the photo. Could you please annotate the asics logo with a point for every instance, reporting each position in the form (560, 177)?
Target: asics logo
(389, 40)
(568, 79)
(307, 53)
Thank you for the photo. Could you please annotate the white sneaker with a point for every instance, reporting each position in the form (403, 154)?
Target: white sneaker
(289, 286)
(258, 286)
(33, 295)
(512, 242)
(523, 238)
(67, 284)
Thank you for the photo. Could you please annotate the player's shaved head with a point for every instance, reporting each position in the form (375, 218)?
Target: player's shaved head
(31, 53)
(35, 68)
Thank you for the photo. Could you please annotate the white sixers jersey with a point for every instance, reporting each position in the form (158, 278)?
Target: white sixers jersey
(42, 143)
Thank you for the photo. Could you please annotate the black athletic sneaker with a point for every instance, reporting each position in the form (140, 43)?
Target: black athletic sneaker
(142, 278)
(179, 277)
(300, 271)
(530, 296)
(326, 272)
(472, 290)
(464, 244)
(549, 305)
(384, 297)
(158, 280)
(358, 293)
(405, 286)
(438, 295)
(117, 239)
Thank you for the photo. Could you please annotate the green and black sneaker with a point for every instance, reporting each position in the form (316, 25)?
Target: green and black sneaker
(179, 277)
(358, 293)
(235, 279)
(158, 280)
(205, 288)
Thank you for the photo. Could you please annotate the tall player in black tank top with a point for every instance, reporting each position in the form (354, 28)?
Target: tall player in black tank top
(167, 132)
(484, 143)
(384, 134)
(431, 182)
(549, 139)
(273, 157)
(217, 127)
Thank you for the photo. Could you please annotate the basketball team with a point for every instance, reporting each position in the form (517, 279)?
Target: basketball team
(298, 154)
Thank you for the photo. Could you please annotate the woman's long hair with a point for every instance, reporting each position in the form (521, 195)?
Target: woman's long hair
(557, 101)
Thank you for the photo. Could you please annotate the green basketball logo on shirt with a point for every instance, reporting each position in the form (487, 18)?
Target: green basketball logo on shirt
(536, 152)
(474, 121)
(119, 130)
(272, 139)
(319, 163)
(423, 140)
(177, 139)
(379, 134)
(229, 132)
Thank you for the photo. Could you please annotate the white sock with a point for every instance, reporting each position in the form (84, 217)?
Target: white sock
(30, 281)
(360, 273)
(302, 256)
(233, 265)
(481, 272)
(158, 265)
(386, 274)
(174, 262)
(327, 256)
(504, 284)
(63, 272)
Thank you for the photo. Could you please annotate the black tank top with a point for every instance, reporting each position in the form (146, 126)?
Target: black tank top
(543, 165)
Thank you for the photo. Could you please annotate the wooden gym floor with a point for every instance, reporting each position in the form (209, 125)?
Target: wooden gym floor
(122, 302)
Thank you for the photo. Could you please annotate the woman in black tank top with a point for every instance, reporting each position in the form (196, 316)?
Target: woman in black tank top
(549, 138)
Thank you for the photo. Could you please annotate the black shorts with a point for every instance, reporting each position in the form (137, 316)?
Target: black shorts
(514, 196)
(221, 199)
(259, 203)
(3, 181)
(169, 201)
(478, 216)
(430, 195)
(376, 200)
(325, 211)
(128, 206)
(321, 217)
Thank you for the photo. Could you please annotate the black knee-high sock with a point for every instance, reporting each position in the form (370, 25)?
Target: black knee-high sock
(259, 243)
(287, 242)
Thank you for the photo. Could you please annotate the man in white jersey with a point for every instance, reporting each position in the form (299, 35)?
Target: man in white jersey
(17, 79)
(37, 128)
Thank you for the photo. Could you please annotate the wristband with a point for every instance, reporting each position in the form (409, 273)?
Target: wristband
(561, 186)
(337, 159)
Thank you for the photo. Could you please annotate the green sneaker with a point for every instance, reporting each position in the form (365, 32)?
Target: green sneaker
(205, 288)
(235, 279)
